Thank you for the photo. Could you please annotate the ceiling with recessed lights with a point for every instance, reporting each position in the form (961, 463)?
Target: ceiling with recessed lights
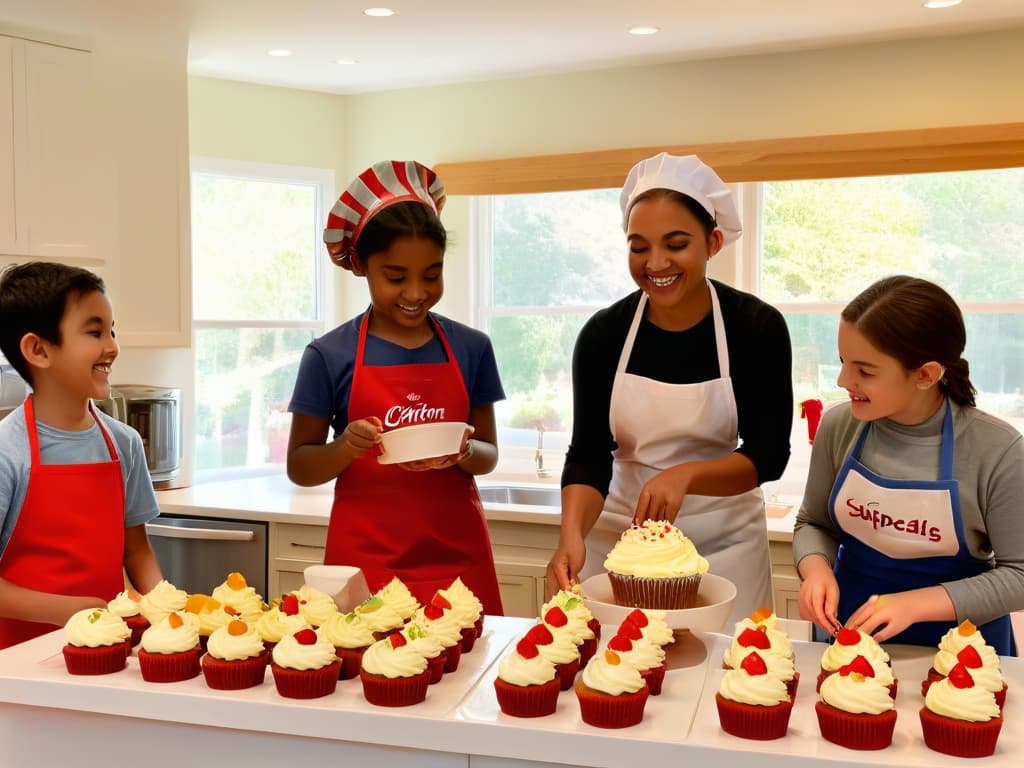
(444, 41)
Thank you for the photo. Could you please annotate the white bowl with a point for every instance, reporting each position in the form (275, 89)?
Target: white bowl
(345, 583)
(714, 602)
(421, 441)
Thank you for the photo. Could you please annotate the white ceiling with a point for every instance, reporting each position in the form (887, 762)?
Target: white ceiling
(446, 41)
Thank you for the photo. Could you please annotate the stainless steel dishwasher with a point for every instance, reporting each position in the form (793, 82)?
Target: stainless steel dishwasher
(197, 553)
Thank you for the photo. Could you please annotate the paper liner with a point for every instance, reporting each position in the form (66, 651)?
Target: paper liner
(436, 666)
(453, 654)
(351, 661)
(959, 737)
(595, 627)
(306, 683)
(668, 594)
(137, 624)
(395, 691)
(234, 675)
(168, 667)
(96, 661)
(479, 626)
(468, 638)
(587, 650)
(855, 730)
(654, 677)
(751, 721)
(527, 700)
(603, 710)
(567, 673)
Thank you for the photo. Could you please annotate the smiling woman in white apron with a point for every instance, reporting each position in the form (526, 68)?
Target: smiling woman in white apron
(910, 520)
(682, 393)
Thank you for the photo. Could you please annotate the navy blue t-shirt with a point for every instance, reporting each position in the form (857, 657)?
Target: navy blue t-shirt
(324, 380)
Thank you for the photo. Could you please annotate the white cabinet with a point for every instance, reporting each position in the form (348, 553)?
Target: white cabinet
(55, 199)
(292, 549)
(785, 580)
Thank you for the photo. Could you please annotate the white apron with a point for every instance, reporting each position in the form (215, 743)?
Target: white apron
(657, 426)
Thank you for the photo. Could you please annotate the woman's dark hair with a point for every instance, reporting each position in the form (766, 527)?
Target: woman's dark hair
(33, 298)
(405, 219)
(915, 321)
(699, 212)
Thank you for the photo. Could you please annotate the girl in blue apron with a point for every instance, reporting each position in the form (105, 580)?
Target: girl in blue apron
(909, 524)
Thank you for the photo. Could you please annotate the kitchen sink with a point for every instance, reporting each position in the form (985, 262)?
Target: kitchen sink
(521, 494)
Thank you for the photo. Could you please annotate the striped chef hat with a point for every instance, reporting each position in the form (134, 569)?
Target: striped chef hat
(380, 185)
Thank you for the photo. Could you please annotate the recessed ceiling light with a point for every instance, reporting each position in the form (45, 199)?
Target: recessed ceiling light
(379, 12)
(941, 3)
(643, 30)
(279, 52)
(346, 61)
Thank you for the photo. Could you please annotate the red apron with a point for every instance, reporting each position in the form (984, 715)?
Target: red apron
(424, 527)
(69, 537)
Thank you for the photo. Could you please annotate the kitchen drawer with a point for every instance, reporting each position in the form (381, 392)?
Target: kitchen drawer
(298, 542)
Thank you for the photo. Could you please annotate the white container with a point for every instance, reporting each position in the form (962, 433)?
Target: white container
(714, 602)
(422, 441)
(345, 583)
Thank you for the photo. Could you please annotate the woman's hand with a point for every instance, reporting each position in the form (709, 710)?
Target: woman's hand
(362, 436)
(819, 593)
(565, 565)
(442, 462)
(662, 495)
(885, 616)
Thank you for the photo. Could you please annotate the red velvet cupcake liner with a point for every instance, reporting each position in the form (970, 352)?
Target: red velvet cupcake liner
(306, 683)
(468, 639)
(855, 731)
(567, 673)
(395, 691)
(454, 653)
(587, 650)
(792, 684)
(605, 711)
(663, 594)
(436, 666)
(351, 661)
(137, 624)
(959, 737)
(102, 660)
(479, 626)
(595, 627)
(168, 667)
(527, 700)
(234, 675)
(654, 676)
(751, 721)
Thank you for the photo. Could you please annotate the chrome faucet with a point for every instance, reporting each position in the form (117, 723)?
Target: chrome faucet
(539, 455)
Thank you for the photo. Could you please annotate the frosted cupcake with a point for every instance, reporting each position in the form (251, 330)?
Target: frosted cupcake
(235, 657)
(611, 694)
(383, 619)
(98, 642)
(752, 703)
(653, 565)
(765, 620)
(305, 665)
(280, 621)
(965, 645)
(560, 650)
(211, 613)
(237, 593)
(350, 636)
(397, 597)
(169, 650)
(128, 605)
(648, 658)
(848, 645)
(652, 625)
(433, 651)
(779, 662)
(468, 610)
(161, 600)
(527, 684)
(960, 718)
(855, 710)
(574, 617)
(315, 606)
(394, 673)
(440, 623)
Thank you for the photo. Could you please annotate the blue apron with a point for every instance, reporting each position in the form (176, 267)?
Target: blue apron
(887, 543)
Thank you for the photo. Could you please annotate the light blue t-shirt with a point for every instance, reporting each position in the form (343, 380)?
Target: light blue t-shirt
(57, 446)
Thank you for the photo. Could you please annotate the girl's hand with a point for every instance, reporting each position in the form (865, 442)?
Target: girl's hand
(441, 462)
(565, 565)
(885, 616)
(363, 435)
(819, 594)
(662, 495)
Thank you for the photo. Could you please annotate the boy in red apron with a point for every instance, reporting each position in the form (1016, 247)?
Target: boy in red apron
(67, 536)
(398, 364)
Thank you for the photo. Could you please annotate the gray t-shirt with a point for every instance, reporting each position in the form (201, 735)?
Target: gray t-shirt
(988, 464)
(57, 446)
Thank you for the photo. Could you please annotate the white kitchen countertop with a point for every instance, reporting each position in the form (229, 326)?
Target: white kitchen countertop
(274, 498)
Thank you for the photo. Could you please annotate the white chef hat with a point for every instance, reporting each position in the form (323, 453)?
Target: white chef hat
(689, 176)
(380, 185)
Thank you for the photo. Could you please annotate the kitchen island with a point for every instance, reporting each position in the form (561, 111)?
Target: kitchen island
(48, 717)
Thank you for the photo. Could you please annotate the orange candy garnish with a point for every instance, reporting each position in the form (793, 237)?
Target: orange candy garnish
(236, 581)
(134, 596)
(196, 603)
(966, 629)
(237, 628)
(761, 614)
(174, 620)
(612, 657)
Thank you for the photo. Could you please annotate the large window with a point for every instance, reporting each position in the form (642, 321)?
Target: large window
(257, 286)
(549, 260)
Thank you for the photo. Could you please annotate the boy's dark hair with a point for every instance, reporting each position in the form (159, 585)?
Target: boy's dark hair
(405, 219)
(33, 298)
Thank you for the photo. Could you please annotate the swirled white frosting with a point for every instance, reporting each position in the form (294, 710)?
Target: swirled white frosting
(124, 606)
(382, 658)
(292, 654)
(857, 694)
(761, 690)
(163, 638)
(96, 627)
(348, 630)
(516, 670)
(397, 597)
(974, 704)
(161, 600)
(613, 679)
(224, 645)
(655, 549)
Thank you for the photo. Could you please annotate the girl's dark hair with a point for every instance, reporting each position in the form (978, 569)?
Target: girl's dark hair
(699, 212)
(33, 298)
(405, 219)
(915, 321)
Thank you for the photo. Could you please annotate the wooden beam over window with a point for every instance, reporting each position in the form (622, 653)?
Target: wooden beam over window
(923, 150)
